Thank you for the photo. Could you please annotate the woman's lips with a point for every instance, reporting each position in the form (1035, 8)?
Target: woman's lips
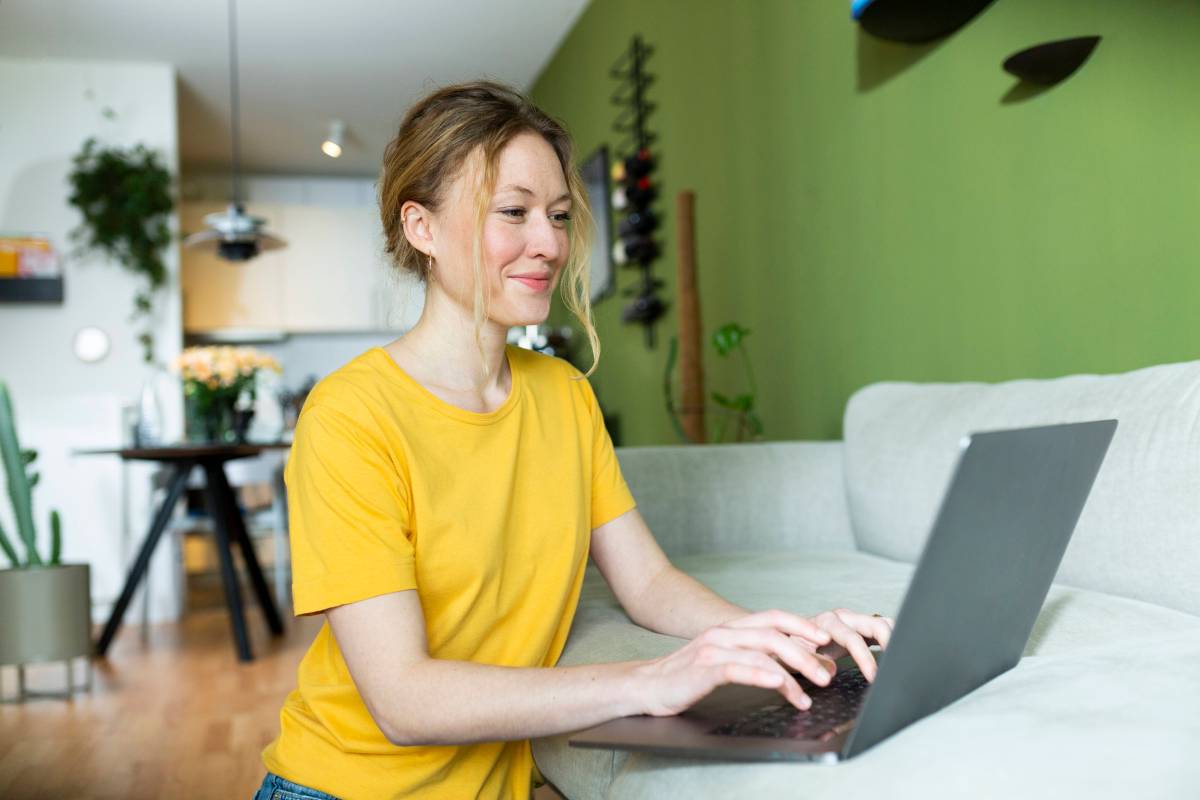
(537, 284)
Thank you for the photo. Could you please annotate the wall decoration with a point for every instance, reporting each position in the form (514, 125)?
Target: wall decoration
(91, 344)
(914, 21)
(29, 270)
(635, 190)
(594, 172)
(1051, 62)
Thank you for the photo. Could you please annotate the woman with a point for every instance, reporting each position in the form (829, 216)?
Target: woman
(446, 490)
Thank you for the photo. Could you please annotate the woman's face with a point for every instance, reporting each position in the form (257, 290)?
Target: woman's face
(525, 235)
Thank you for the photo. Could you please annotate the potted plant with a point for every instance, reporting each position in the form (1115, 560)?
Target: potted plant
(46, 604)
(747, 425)
(220, 385)
(125, 199)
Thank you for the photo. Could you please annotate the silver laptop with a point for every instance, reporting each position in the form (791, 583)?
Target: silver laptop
(996, 544)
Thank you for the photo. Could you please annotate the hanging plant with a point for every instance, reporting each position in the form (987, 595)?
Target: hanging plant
(125, 199)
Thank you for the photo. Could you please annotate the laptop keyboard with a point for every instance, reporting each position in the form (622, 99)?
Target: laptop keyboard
(833, 707)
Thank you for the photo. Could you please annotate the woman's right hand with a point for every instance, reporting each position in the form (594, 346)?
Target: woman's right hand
(754, 650)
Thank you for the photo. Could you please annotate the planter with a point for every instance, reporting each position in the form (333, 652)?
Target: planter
(215, 418)
(45, 615)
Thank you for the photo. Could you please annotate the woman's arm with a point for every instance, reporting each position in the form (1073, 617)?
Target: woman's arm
(652, 591)
(419, 700)
(662, 598)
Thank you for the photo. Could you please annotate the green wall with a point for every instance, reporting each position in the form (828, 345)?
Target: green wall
(873, 212)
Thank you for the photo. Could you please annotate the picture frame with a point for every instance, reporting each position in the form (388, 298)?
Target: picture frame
(594, 171)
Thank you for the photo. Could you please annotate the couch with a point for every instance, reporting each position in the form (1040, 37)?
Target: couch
(1105, 702)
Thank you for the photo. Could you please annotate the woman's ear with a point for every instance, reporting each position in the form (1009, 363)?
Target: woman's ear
(416, 220)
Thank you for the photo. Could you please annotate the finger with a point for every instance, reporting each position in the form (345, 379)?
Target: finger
(784, 621)
(826, 654)
(872, 626)
(850, 639)
(768, 640)
(883, 625)
(732, 664)
(771, 641)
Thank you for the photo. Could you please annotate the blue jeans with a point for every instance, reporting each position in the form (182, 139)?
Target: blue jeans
(276, 788)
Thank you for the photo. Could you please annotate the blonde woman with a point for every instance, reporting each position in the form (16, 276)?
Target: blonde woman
(446, 491)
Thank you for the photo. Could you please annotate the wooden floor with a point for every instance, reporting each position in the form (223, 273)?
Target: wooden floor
(172, 715)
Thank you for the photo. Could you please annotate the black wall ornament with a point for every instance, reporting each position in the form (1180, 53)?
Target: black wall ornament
(1051, 62)
(634, 187)
(914, 21)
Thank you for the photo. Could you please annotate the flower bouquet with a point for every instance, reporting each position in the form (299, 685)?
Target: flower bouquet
(219, 389)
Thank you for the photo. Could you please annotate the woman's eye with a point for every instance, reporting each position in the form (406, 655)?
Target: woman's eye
(517, 213)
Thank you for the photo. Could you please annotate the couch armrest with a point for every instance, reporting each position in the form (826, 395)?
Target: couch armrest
(727, 497)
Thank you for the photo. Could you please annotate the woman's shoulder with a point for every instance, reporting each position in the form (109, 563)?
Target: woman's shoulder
(553, 376)
(543, 365)
(355, 389)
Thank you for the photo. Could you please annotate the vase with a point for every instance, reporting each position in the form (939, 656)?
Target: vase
(214, 421)
(149, 428)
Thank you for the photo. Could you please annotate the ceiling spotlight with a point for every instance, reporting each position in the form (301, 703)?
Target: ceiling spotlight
(332, 146)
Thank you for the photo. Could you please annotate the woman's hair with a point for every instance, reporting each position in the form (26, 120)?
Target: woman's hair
(437, 137)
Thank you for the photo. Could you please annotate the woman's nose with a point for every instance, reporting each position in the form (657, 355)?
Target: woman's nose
(545, 239)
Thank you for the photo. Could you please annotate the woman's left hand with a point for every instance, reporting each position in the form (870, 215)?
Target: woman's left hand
(852, 633)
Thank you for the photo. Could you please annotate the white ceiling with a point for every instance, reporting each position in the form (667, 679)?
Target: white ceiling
(301, 63)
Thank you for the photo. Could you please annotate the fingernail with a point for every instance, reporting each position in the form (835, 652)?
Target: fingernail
(822, 676)
(806, 702)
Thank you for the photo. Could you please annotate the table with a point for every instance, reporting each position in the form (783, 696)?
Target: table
(228, 527)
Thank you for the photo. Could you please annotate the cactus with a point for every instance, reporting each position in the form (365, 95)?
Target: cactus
(7, 547)
(55, 537)
(21, 480)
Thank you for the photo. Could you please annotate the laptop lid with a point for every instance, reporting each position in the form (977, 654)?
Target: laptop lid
(986, 568)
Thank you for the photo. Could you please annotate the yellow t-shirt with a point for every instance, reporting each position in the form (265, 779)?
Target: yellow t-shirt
(487, 515)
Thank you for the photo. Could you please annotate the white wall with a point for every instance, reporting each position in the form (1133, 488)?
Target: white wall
(48, 109)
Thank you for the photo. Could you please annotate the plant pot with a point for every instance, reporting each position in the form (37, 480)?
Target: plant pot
(216, 419)
(47, 613)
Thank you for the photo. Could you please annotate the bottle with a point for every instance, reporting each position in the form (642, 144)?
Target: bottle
(148, 431)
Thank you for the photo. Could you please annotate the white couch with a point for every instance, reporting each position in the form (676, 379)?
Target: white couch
(1105, 702)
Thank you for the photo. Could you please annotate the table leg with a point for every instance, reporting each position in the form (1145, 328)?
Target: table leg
(178, 483)
(220, 513)
(237, 532)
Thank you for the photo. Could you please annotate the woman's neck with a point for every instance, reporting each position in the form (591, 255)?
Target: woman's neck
(443, 342)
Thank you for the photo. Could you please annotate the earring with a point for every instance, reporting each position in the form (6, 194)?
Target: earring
(430, 271)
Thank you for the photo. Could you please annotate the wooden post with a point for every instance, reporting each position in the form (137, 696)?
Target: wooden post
(691, 362)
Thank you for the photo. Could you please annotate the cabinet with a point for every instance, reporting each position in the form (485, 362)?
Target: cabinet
(333, 276)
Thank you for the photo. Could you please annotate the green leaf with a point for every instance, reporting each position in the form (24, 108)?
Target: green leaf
(727, 337)
(7, 547)
(755, 423)
(124, 198)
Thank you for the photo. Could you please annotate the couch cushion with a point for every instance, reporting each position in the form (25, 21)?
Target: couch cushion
(1105, 681)
(1139, 533)
(713, 498)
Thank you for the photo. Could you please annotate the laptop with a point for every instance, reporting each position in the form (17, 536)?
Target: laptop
(987, 565)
